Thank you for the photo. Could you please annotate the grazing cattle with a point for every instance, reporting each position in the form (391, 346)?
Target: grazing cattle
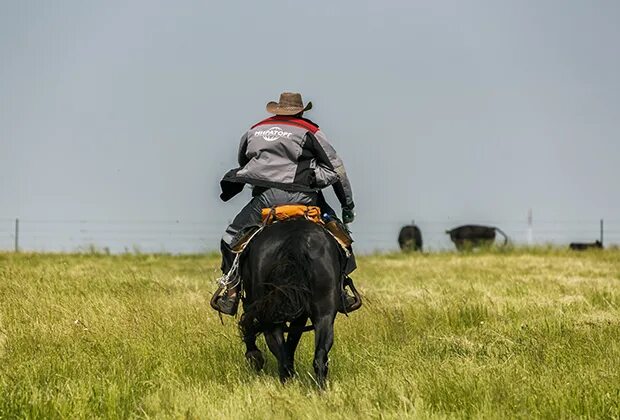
(410, 238)
(472, 236)
(581, 246)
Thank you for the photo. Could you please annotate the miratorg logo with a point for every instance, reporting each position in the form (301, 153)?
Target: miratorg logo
(274, 133)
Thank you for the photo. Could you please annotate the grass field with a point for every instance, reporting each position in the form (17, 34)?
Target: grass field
(519, 334)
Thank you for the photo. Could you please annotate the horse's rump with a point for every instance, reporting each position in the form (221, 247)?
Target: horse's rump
(284, 270)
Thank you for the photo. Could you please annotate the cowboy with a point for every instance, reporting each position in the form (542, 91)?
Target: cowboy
(287, 160)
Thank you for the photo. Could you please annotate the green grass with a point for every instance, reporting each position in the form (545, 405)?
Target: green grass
(494, 334)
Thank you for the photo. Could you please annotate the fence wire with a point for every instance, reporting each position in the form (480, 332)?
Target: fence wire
(191, 236)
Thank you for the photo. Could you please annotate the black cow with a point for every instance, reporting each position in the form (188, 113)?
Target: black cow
(410, 238)
(581, 246)
(472, 236)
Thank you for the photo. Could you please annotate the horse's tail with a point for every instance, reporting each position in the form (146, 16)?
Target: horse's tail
(503, 234)
(286, 292)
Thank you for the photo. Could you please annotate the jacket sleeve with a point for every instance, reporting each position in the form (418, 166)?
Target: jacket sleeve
(243, 147)
(326, 155)
(228, 185)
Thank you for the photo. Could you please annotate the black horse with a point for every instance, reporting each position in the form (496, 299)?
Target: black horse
(292, 272)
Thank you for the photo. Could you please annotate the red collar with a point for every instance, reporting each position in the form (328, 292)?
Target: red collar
(288, 120)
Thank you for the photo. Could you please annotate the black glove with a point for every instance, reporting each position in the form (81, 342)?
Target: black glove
(347, 215)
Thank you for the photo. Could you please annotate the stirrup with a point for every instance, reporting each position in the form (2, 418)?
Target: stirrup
(349, 303)
(227, 305)
(224, 303)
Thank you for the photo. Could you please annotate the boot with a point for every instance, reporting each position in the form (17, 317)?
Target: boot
(228, 257)
(348, 302)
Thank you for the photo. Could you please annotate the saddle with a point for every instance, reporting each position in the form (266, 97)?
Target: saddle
(294, 211)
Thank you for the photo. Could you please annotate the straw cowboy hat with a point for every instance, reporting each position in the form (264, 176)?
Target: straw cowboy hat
(290, 104)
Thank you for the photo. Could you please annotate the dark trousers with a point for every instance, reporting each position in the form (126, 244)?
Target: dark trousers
(265, 198)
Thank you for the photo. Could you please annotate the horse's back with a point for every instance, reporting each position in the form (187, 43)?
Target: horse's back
(300, 235)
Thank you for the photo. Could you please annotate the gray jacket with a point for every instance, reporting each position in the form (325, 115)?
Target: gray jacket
(291, 154)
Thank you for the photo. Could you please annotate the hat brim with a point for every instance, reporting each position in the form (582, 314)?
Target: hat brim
(275, 108)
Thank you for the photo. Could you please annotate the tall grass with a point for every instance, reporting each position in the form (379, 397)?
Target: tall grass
(519, 334)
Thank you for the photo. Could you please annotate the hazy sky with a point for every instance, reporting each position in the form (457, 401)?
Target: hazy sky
(443, 111)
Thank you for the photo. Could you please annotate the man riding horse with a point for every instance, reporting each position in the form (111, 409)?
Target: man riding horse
(287, 160)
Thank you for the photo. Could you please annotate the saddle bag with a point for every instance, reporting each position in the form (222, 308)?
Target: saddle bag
(340, 231)
(291, 211)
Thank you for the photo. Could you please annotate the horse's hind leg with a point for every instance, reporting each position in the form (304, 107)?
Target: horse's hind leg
(296, 329)
(277, 345)
(323, 340)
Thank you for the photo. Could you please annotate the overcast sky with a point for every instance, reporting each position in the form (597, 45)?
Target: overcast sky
(443, 111)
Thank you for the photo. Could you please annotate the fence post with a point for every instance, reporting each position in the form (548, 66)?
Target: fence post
(601, 231)
(17, 235)
(530, 235)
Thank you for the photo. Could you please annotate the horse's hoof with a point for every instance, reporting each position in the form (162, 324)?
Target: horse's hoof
(286, 374)
(255, 359)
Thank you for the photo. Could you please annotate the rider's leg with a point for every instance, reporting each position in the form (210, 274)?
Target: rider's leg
(228, 303)
(249, 215)
(351, 264)
(228, 256)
